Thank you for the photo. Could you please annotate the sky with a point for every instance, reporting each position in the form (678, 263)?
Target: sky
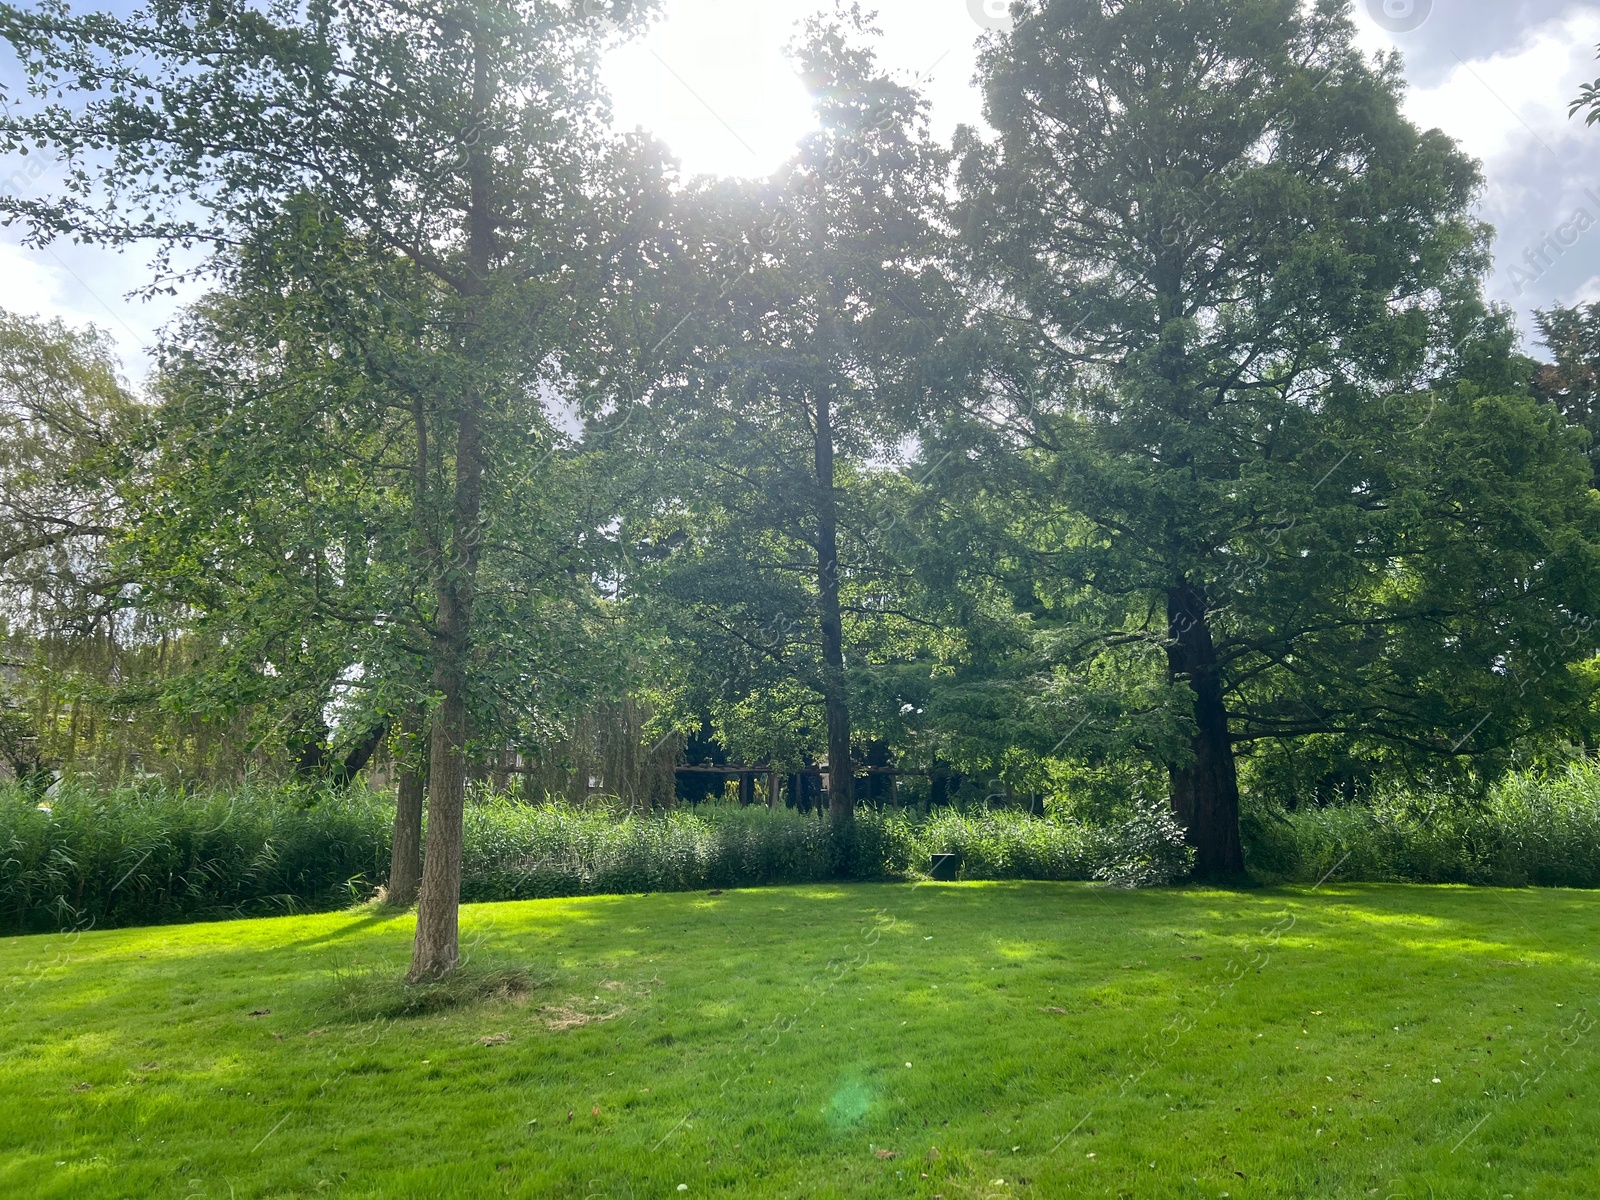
(710, 80)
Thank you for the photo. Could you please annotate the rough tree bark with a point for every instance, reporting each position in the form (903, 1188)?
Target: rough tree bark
(1205, 791)
(435, 952)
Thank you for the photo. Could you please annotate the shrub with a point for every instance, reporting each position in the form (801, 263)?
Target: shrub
(148, 853)
(1006, 845)
(521, 851)
(1147, 850)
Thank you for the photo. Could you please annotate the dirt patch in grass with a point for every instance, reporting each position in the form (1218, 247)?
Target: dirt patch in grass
(560, 1017)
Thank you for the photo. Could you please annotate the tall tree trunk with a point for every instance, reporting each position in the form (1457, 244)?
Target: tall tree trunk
(1205, 792)
(436, 951)
(841, 771)
(405, 856)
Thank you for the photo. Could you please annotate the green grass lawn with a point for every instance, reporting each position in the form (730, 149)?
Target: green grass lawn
(963, 1040)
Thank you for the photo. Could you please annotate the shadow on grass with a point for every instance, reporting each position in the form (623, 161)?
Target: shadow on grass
(365, 919)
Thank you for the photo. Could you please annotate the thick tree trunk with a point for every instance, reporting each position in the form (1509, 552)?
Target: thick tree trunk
(1205, 791)
(436, 950)
(841, 771)
(405, 856)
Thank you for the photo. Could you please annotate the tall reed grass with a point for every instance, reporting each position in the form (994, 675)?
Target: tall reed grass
(1540, 829)
(145, 854)
(148, 854)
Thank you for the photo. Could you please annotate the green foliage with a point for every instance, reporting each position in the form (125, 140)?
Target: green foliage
(1007, 845)
(1588, 97)
(149, 853)
(19, 749)
(1147, 850)
(1572, 381)
(798, 339)
(154, 854)
(1537, 828)
(68, 436)
(524, 851)
(1247, 422)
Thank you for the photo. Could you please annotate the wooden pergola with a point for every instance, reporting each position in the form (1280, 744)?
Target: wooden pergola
(747, 775)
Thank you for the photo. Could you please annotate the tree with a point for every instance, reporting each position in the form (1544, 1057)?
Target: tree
(1572, 382)
(811, 307)
(68, 448)
(467, 142)
(67, 429)
(1256, 417)
(291, 468)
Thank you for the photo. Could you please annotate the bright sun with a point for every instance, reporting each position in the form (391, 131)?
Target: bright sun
(712, 82)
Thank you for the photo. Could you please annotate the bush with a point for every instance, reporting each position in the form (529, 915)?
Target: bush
(1147, 850)
(148, 853)
(1007, 845)
(521, 851)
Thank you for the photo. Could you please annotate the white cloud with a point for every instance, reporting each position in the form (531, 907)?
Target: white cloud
(31, 288)
(1497, 106)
